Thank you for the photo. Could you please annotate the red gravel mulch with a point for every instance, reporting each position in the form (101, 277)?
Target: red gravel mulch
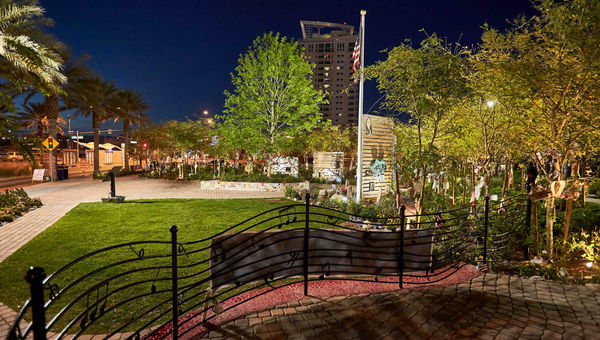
(255, 302)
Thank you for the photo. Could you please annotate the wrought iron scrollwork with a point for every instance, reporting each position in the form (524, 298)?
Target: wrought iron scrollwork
(139, 254)
(289, 217)
(52, 290)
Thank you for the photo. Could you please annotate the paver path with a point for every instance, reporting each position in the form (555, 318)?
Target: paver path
(60, 197)
(488, 307)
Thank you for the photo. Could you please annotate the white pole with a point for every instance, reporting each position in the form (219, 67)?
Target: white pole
(359, 168)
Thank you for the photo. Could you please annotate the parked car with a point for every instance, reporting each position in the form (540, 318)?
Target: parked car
(10, 156)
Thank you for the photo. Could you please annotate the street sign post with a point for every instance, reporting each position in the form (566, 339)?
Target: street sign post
(50, 143)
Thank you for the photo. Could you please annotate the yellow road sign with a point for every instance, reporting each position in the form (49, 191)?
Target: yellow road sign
(50, 143)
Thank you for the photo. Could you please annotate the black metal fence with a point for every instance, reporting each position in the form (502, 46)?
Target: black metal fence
(170, 288)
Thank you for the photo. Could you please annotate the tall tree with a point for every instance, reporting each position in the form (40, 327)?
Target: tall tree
(35, 117)
(273, 93)
(553, 63)
(26, 47)
(428, 84)
(74, 70)
(236, 137)
(30, 58)
(129, 107)
(92, 97)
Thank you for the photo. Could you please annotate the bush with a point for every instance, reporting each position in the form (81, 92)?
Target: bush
(594, 187)
(292, 193)
(369, 212)
(353, 208)
(387, 207)
(586, 244)
(15, 203)
(528, 269)
(129, 172)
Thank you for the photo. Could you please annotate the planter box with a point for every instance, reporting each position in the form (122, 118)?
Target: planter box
(251, 186)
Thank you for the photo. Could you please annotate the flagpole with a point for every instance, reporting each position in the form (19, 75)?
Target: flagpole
(359, 168)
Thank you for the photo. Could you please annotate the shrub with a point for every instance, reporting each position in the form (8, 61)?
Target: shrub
(292, 193)
(369, 212)
(587, 244)
(353, 208)
(387, 207)
(528, 269)
(594, 187)
(15, 203)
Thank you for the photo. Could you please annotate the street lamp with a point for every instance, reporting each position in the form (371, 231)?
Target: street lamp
(491, 103)
(205, 112)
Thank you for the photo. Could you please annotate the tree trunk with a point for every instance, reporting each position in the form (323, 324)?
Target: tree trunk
(269, 169)
(567, 223)
(96, 127)
(523, 174)
(421, 195)
(505, 181)
(537, 231)
(51, 106)
(453, 186)
(125, 150)
(397, 175)
(550, 211)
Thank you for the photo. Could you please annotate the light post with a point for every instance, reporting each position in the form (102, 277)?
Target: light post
(70, 144)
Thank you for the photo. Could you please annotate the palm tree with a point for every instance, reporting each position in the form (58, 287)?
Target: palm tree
(75, 69)
(129, 107)
(30, 58)
(35, 117)
(91, 97)
(25, 48)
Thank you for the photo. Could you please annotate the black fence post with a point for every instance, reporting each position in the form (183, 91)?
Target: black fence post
(113, 191)
(401, 257)
(485, 228)
(306, 218)
(35, 277)
(174, 296)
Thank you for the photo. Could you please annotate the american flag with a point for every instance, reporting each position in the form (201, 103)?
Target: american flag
(356, 57)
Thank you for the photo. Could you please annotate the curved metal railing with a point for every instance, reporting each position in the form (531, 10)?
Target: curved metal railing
(160, 289)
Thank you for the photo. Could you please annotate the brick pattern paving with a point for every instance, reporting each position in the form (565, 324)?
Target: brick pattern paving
(60, 197)
(488, 307)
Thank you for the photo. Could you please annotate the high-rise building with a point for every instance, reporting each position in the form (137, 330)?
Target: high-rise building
(329, 46)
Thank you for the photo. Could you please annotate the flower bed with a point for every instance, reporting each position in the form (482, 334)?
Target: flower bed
(15, 203)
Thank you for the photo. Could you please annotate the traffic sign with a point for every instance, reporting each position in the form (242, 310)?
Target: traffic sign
(50, 143)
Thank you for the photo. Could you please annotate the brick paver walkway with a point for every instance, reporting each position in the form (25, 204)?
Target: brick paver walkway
(488, 307)
(60, 197)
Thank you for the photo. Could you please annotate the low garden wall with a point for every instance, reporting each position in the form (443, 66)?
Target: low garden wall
(252, 186)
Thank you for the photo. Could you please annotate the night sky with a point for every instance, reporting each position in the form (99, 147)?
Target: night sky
(179, 54)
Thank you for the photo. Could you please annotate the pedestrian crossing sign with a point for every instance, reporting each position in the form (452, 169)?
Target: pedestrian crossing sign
(50, 143)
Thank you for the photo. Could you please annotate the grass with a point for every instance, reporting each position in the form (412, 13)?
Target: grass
(91, 226)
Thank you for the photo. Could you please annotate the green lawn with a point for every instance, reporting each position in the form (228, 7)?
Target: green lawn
(92, 226)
